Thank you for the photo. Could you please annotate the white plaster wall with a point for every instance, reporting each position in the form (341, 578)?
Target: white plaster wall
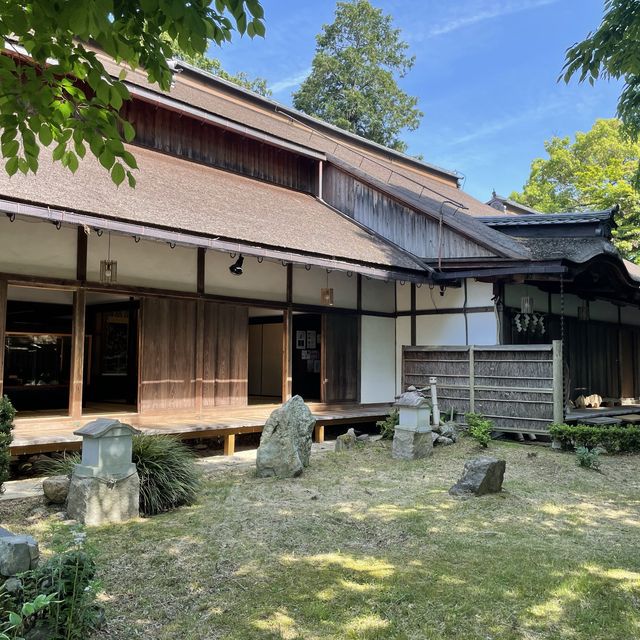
(514, 292)
(35, 294)
(403, 296)
(440, 329)
(483, 328)
(378, 295)
(479, 294)
(37, 248)
(403, 338)
(377, 359)
(266, 280)
(145, 263)
(307, 285)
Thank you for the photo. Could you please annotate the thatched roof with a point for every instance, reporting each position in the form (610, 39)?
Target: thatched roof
(181, 195)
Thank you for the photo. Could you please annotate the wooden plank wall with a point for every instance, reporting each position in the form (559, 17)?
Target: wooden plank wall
(512, 385)
(172, 374)
(340, 358)
(189, 138)
(412, 230)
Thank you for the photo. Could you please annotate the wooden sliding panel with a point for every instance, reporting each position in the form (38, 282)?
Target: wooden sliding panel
(3, 324)
(76, 376)
(340, 357)
(168, 355)
(226, 355)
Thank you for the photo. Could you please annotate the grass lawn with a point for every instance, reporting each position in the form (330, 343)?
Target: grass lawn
(366, 547)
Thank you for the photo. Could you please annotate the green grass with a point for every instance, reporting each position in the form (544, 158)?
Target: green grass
(362, 546)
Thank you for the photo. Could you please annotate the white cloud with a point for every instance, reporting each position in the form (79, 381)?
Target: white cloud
(496, 126)
(290, 81)
(490, 11)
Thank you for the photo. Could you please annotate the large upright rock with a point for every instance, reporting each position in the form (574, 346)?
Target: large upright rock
(480, 476)
(285, 444)
(17, 553)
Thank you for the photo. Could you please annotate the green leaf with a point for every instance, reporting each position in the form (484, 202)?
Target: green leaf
(106, 159)
(128, 131)
(14, 619)
(118, 174)
(129, 159)
(12, 165)
(45, 135)
(10, 149)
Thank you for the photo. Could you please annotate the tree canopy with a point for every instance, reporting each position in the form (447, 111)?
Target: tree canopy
(593, 172)
(55, 90)
(613, 51)
(353, 81)
(214, 66)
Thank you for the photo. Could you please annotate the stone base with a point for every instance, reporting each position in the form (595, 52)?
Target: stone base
(93, 502)
(411, 444)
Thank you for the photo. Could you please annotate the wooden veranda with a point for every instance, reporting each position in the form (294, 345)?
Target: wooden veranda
(48, 434)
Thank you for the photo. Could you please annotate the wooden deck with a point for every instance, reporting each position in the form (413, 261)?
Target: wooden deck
(50, 433)
(575, 415)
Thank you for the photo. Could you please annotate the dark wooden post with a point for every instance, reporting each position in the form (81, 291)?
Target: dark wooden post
(414, 328)
(287, 356)
(81, 255)
(76, 377)
(3, 326)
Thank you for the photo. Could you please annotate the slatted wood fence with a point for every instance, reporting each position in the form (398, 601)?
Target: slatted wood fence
(519, 387)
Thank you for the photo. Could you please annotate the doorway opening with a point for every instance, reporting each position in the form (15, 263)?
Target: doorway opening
(111, 365)
(306, 356)
(265, 356)
(37, 347)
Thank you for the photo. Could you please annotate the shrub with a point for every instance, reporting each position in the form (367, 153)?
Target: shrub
(168, 474)
(479, 428)
(7, 414)
(64, 584)
(588, 458)
(613, 439)
(388, 425)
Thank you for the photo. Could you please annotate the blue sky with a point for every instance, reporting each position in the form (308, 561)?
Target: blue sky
(485, 75)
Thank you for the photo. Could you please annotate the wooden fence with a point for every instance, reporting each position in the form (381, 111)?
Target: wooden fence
(519, 387)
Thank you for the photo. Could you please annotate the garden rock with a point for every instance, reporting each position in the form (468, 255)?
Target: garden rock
(56, 489)
(481, 476)
(346, 441)
(444, 440)
(285, 444)
(17, 553)
(449, 430)
(12, 586)
(434, 436)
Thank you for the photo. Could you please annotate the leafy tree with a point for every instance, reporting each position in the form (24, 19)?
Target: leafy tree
(594, 172)
(353, 77)
(55, 90)
(613, 51)
(214, 66)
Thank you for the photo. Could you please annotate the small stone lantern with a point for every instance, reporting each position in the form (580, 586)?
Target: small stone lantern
(105, 486)
(412, 436)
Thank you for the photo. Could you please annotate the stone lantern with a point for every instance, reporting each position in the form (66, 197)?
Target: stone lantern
(105, 486)
(412, 436)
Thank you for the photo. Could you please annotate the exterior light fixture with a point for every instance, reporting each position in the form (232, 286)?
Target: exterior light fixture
(236, 267)
(326, 294)
(109, 268)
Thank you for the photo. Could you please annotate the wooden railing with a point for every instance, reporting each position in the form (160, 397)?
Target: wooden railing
(519, 387)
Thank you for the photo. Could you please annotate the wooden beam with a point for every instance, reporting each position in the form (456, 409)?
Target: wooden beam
(229, 444)
(359, 293)
(558, 382)
(81, 255)
(76, 377)
(200, 270)
(3, 327)
(289, 284)
(319, 432)
(287, 355)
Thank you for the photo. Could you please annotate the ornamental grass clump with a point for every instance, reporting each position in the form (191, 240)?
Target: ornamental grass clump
(168, 474)
(388, 425)
(7, 414)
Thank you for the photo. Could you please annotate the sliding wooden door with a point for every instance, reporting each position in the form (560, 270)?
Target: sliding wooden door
(340, 358)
